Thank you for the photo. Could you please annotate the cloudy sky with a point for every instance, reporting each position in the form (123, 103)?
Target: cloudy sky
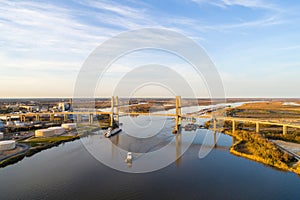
(255, 44)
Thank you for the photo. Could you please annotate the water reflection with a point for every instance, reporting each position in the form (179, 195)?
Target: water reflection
(178, 148)
(142, 148)
(215, 139)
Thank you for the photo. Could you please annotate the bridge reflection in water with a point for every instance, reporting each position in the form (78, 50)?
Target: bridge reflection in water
(141, 146)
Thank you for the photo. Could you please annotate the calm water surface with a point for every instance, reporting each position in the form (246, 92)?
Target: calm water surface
(69, 171)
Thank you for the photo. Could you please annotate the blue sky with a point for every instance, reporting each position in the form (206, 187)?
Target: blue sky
(255, 44)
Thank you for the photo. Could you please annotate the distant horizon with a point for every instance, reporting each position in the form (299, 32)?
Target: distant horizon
(147, 97)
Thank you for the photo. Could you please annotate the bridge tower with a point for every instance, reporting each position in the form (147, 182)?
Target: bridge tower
(117, 110)
(114, 104)
(178, 117)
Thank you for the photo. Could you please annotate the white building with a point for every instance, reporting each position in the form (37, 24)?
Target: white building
(64, 106)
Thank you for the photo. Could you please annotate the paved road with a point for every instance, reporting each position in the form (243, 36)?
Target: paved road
(292, 148)
(24, 149)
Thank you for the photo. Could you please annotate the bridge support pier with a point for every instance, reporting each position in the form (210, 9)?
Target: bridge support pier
(117, 110)
(78, 117)
(91, 119)
(65, 117)
(257, 127)
(114, 104)
(111, 121)
(284, 129)
(51, 117)
(215, 124)
(233, 126)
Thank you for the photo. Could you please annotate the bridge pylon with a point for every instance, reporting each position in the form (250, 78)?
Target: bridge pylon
(178, 117)
(114, 116)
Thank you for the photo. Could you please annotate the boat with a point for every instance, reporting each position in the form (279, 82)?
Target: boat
(110, 132)
(190, 127)
(128, 157)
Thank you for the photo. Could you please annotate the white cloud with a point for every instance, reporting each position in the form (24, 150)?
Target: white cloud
(269, 21)
(44, 38)
(29, 26)
(115, 8)
(243, 3)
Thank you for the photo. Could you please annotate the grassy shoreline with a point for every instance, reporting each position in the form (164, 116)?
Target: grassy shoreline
(257, 146)
(234, 149)
(37, 148)
(39, 144)
(240, 149)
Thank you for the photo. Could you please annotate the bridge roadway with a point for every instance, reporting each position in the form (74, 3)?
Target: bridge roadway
(94, 113)
(243, 120)
(256, 121)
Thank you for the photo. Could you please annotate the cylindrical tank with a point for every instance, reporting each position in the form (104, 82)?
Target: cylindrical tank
(57, 130)
(44, 133)
(69, 126)
(7, 145)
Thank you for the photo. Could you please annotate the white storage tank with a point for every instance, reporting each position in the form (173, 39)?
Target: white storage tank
(1, 135)
(44, 133)
(57, 130)
(7, 145)
(69, 126)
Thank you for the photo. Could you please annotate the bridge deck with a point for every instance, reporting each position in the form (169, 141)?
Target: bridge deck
(150, 114)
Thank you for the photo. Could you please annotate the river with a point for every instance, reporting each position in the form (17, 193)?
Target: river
(70, 171)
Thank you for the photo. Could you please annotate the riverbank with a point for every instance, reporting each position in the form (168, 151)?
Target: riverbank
(255, 147)
(36, 145)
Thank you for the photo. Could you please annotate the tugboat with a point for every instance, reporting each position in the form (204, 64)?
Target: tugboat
(129, 157)
(110, 132)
